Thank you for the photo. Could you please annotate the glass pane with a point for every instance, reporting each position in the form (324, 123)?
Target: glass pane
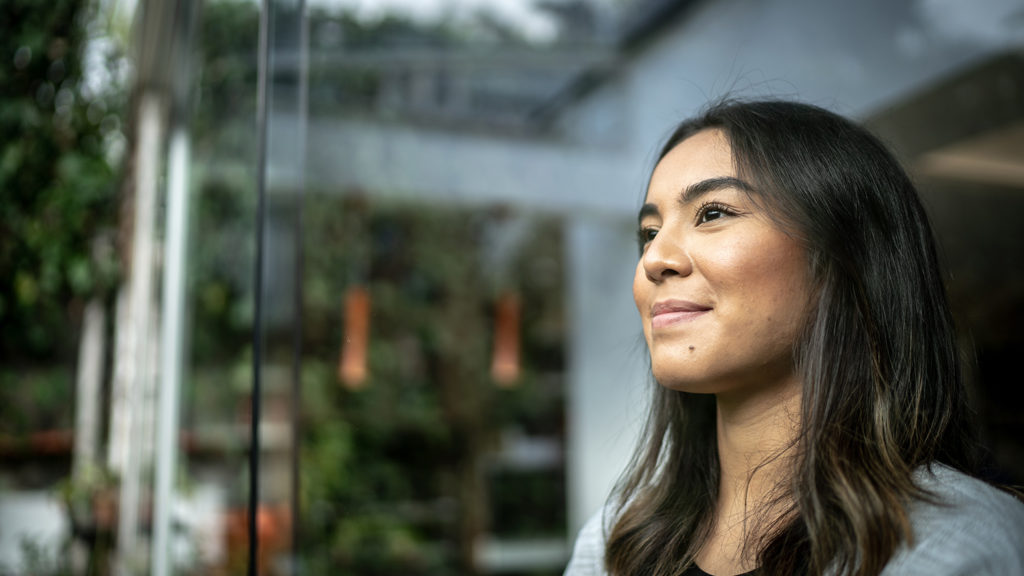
(453, 374)
(217, 390)
(435, 352)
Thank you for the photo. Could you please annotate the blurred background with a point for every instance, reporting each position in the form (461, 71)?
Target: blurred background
(411, 223)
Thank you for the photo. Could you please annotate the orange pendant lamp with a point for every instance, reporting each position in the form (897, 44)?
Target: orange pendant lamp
(352, 365)
(505, 359)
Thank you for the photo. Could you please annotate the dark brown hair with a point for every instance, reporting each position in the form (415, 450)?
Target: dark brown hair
(883, 390)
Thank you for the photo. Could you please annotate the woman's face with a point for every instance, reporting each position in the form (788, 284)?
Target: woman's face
(721, 290)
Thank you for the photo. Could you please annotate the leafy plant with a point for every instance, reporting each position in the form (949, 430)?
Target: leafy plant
(58, 204)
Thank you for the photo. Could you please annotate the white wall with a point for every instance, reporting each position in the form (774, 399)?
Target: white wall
(608, 383)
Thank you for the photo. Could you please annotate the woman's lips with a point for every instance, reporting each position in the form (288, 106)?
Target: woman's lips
(668, 312)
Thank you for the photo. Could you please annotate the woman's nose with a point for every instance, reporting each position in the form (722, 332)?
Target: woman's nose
(666, 256)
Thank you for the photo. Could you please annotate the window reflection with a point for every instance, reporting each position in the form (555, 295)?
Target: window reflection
(411, 466)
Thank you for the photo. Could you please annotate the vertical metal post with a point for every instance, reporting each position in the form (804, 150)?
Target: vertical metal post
(262, 107)
(296, 400)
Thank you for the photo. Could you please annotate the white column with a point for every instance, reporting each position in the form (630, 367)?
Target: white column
(171, 340)
(87, 386)
(133, 332)
(607, 392)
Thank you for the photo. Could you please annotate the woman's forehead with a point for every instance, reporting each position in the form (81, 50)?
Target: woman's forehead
(704, 152)
(703, 157)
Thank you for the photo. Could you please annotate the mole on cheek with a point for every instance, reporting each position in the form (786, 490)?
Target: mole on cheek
(691, 348)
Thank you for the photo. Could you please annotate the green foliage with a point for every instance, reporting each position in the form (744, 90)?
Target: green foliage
(35, 400)
(223, 131)
(541, 493)
(393, 471)
(220, 268)
(58, 190)
(224, 118)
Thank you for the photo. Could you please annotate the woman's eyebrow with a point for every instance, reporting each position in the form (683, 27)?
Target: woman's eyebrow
(698, 189)
(647, 210)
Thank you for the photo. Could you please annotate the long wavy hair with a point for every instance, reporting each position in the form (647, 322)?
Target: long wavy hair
(883, 391)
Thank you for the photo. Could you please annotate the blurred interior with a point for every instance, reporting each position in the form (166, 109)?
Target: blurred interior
(406, 228)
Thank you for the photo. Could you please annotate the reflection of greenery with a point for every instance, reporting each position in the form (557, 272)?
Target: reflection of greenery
(220, 269)
(35, 400)
(393, 472)
(59, 135)
(90, 500)
(223, 131)
(224, 119)
(539, 492)
(78, 493)
(57, 187)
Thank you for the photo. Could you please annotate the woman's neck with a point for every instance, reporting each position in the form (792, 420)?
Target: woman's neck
(754, 432)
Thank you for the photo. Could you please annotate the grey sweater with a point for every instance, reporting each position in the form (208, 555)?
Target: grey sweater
(975, 530)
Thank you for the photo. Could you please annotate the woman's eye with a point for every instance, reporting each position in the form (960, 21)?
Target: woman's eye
(710, 212)
(646, 235)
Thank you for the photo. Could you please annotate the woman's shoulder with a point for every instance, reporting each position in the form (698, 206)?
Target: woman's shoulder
(966, 527)
(588, 553)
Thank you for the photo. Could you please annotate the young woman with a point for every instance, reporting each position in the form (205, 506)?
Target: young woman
(811, 416)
